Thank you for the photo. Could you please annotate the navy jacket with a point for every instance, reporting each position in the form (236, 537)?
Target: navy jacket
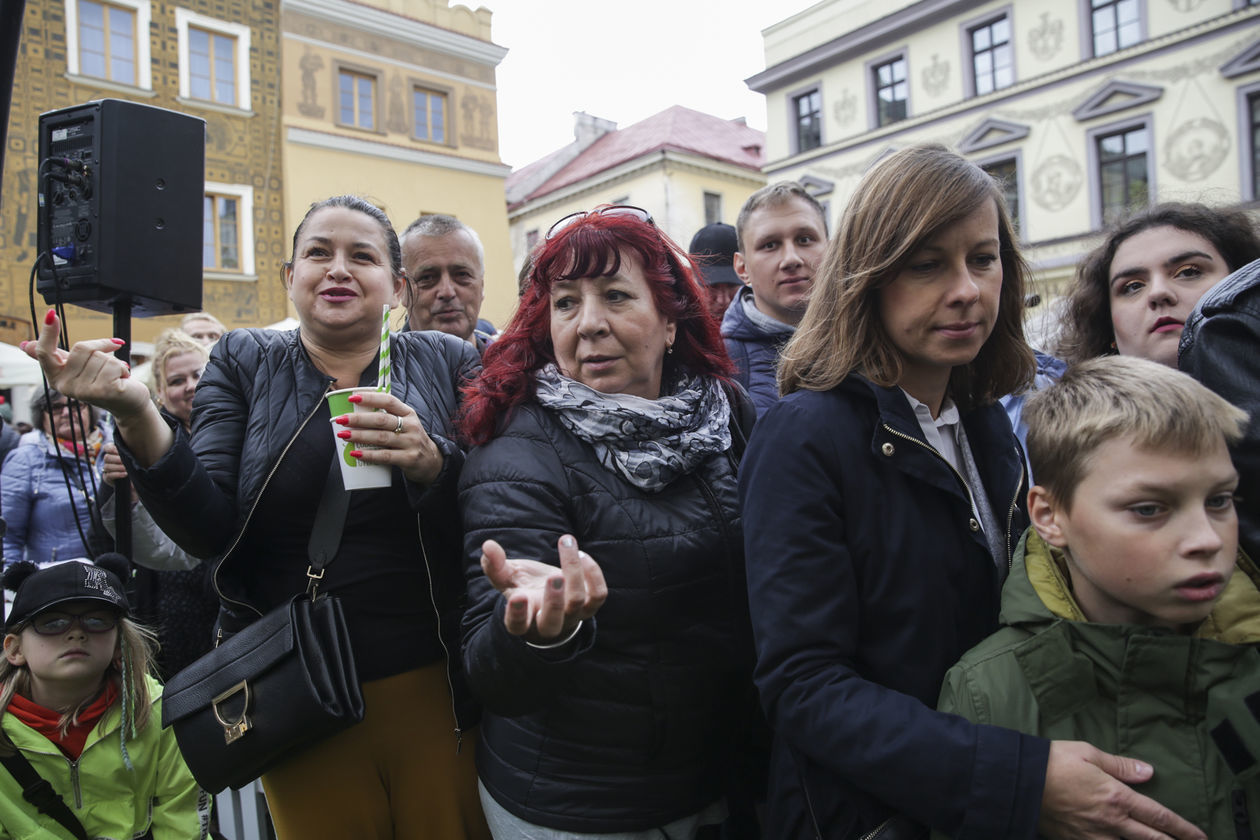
(755, 352)
(868, 578)
(635, 722)
(1219, 348)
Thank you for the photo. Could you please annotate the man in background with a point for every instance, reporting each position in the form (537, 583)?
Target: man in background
(445, 264)
(714, 248)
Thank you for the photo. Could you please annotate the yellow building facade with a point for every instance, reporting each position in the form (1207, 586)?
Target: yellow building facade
(1086, 109)
(215, 60)
(396, 100)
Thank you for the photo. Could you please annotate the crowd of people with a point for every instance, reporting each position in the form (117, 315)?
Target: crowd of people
(778, 536)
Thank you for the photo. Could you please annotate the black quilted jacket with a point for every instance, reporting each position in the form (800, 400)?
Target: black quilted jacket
(634, 723)
(258, 390)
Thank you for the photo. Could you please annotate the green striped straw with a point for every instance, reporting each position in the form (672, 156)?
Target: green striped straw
(382, 372)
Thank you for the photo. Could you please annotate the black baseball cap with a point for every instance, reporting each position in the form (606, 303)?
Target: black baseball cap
(75, 580)
(714, 248)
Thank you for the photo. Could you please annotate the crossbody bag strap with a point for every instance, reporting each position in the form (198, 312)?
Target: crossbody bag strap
(330, 521)
(37, 791)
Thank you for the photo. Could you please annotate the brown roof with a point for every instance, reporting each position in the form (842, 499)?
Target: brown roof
(676, 128)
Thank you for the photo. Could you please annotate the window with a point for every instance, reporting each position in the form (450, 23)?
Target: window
(1006, 173)
(213, 60)
(531, 239)
(1124, 180)
(107, 42)
(807, 109)
(356, 99)
(1253, 112)
(228, 229)
(429, 115)
(1114, 24)
(992, 58)
(891, 91)
(712, 208)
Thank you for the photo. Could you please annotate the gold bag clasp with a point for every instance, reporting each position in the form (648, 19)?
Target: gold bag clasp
(233, 730)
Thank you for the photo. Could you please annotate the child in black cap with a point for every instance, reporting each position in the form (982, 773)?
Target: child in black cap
(74, 677)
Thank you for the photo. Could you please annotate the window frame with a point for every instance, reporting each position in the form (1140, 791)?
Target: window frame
(432, 90)
(1093, 138)
(241, 34)
(143, 41)
(794, 119)
(1089, 43)
(872, 86)
(965, 30)
(1249, 145)
(361, 71)
(244, 193)
(1016, 157)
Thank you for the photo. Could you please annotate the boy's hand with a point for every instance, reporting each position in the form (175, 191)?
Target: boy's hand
(1085, 797)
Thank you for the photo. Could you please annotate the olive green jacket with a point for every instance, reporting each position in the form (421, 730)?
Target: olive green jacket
(1188, 705)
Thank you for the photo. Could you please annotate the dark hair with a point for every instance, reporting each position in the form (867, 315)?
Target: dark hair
(354, 202)
(1087, 328)
(901, 204)
(591, 247)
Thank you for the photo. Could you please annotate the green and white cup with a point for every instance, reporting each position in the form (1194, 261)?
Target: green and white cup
(355, 474)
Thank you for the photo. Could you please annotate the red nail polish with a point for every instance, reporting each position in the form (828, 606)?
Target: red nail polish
(343, 420)
(345, 435)
(118, 341)
(50, 317)
(355, 398)
(355, 453)
(23, 344)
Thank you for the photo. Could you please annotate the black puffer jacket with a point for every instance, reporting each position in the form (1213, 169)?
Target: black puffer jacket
(259, 389)
(633, 724)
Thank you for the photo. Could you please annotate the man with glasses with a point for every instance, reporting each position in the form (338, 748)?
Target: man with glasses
(782, 233)
(445, 264)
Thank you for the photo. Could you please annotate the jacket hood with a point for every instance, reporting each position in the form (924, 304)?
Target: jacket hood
(737, 324)
(1038, 592)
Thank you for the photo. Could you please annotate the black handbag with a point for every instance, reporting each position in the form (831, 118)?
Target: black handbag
(280, 685)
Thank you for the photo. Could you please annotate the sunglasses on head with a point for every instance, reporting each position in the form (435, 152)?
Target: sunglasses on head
(607, 210)
(55, 623)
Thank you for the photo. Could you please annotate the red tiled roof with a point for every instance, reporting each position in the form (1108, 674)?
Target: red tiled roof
(676, 128)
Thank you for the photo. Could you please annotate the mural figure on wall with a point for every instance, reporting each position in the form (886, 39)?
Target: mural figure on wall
(845, 108)
(936, 76)
(1196, 148)
(1056, 181)
(310, 64)
(397, 120)
(1046, 37)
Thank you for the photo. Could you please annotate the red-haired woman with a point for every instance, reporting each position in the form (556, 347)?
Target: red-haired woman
(604, 419)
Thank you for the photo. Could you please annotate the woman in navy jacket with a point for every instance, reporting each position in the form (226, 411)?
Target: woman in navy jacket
(883, 496)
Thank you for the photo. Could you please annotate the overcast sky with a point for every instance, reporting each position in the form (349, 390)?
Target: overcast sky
(624, 60)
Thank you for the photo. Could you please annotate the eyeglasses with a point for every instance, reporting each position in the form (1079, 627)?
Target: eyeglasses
(607, 210)
(56, 623)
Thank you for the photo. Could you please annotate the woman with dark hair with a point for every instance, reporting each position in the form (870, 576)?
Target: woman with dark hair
(889, 495)
(48, 488)
(244, 489)
(617, 692)
(1133, 293)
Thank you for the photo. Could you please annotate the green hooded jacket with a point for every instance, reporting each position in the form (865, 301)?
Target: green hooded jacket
(112, 802)
(1188, 705)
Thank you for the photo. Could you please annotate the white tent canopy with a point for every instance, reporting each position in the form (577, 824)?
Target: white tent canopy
(17, 368)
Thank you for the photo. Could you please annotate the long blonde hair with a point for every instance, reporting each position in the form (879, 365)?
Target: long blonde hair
(137, 646)
(900, 205)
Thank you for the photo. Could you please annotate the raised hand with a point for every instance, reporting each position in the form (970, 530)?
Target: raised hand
(545, 604)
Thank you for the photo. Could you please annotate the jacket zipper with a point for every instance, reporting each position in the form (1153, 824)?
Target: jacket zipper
(974, 508)
(877, 830)
(437, 617)
(214, 578)
(1010, 514)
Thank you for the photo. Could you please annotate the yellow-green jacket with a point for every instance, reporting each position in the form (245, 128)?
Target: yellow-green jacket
(1188, 705)
(112, 802)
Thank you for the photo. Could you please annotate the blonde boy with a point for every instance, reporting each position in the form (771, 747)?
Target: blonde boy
(1130, 617)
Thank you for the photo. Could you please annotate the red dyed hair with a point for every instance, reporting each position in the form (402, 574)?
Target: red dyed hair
(591, 247)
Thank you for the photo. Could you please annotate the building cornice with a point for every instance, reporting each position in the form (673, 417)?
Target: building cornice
(386, 24)
(861, 40)
(414, 69)
(371, 148)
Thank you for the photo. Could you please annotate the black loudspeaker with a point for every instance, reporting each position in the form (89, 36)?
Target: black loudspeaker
(121, 193)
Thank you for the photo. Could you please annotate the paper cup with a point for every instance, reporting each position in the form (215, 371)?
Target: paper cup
(355, 474)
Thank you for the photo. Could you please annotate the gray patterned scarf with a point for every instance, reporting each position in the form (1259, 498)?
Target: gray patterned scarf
(647, 442)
